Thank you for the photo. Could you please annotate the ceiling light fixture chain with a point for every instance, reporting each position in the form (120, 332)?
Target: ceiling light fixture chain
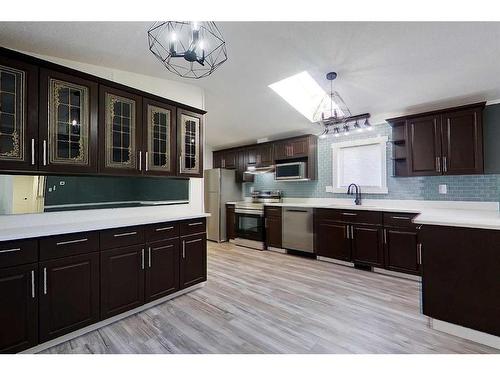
(188, 49)
(333, 114)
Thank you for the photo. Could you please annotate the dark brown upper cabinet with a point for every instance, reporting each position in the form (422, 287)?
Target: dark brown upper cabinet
(159, 138)
(302, 148)
(67, 123)
(292, 148)
(217, 159)
(18, 115)
(425, 145)
(264, 155)
(190, 143)
(120, 132)
(462, 141)
(446, 142)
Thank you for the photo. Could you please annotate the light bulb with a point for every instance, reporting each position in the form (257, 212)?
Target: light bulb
(195, 25)
(173, 36)
(322, 136)
(73, 122)
(201, 44)
(337, 134)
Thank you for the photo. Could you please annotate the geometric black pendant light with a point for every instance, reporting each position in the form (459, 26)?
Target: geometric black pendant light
(188, 49)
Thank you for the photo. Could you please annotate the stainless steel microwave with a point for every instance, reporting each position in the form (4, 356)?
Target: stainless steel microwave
(291, 171)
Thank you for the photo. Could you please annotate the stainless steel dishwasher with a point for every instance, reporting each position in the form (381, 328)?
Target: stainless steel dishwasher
(297, 229)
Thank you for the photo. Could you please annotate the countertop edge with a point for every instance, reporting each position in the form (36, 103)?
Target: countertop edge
(38, 231)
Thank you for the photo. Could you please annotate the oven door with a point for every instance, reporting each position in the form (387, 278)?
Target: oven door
(249, 225)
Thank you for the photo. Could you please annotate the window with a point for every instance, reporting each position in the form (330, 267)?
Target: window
(362, 162)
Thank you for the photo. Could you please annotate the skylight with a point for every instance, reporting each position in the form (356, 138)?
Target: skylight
(302, 92)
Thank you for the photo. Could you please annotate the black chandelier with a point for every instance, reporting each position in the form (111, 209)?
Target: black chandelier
(333, 114)
(188, 49)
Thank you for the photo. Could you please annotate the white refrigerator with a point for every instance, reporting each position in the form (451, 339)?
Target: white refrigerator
(220, 187)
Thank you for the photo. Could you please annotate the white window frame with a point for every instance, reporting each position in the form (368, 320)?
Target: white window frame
(381, 141)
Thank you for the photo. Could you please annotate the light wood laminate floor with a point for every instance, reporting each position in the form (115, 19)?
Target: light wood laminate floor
(265, 302)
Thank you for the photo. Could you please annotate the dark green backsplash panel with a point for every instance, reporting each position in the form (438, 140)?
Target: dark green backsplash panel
(128, 191)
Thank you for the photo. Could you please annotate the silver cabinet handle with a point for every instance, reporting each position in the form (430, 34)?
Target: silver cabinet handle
(400, 218)
(149, 257)
(349, 214)
(183, 249)
(32, 283)
(347, 231)
(385, 236)
(197, 223)
(438, 164)
(193, 241)
(163, 229)
(162, 247)
(140, 160)
(445, 164)
(10, 250)
(352, 232)
(72, 241)
(44, 152)
(124, 234)
(44, 280)
(32, 151)
(142, 258)
(180, 163)
(419, 253)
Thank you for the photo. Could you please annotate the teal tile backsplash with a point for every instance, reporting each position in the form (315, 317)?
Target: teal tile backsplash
(464, 188)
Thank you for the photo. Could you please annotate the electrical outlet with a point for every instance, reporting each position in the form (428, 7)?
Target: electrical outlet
(329, 189)
(443, 189)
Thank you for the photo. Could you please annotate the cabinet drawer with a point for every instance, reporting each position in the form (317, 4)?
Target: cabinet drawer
(120, 237)
(13, 253)
(68, 244)
(161, 231)
(273, 211)
(193, 226)
(350, 216)
(397, 219)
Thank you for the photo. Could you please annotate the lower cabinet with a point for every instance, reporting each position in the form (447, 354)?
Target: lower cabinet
(461, 276)
(273, 224)
(69, 294)
(230, 222)
(332, 240)
(55, 285)
(162, 269)
(18, 308)
(402, 250)
(122, 280)
(193, 262)
(367, 245)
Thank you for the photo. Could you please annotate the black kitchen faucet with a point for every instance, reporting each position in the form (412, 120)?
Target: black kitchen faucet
(357, 200)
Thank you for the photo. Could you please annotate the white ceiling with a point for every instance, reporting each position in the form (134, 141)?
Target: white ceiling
(384, 68)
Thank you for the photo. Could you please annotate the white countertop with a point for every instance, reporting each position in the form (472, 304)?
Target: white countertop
(14, 227)
(482, 215)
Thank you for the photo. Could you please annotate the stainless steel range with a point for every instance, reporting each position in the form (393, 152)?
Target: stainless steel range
(250, 230)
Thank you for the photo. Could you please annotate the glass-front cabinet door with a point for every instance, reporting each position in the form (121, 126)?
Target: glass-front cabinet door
(159, 138)
(120, 132)
(18, 115)
(68, 125)
(190, 143)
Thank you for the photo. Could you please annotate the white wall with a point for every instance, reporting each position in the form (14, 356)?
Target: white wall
(177, 91)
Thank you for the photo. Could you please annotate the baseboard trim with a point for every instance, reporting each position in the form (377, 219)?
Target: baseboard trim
(335, 261)
(103, 323)
(465, 333)
(277, 249)
(401, 275)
